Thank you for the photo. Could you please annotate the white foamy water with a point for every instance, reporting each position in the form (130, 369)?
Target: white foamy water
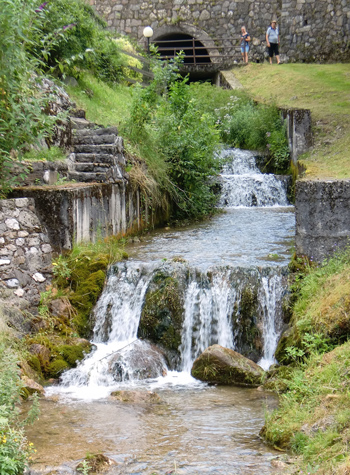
(270, 298)
(212, 289)
(243, 185)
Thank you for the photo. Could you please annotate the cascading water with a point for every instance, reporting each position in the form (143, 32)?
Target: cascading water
(214, 278)
(244, 185)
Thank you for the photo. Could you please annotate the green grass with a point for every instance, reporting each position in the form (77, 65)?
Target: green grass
(313, 418)
(325, 90)
(104, 105)
(50, 154)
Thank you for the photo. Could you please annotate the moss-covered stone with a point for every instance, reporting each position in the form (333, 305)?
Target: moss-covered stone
(34, 363)
(84, 298)
(245, 324)
(73, 353)
(221, 365)
(56, 368)
(277, 379)
(289, 338)
(162, 313)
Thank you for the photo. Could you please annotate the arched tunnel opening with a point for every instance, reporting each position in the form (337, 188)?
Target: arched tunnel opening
(196, 54)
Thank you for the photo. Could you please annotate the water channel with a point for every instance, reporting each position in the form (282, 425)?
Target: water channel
(193, 428)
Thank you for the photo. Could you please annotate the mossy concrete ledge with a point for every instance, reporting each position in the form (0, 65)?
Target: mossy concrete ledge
(83, 212)
(219, 365)
(322, 210)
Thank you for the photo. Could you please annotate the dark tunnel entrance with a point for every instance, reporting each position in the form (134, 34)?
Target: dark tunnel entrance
(195, 52)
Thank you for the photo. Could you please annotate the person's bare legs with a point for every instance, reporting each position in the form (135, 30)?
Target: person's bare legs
(246, 58)
(278, 59)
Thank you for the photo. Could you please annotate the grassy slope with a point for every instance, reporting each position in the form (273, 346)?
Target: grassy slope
(104, 105)
(313, 419)
(325, 89)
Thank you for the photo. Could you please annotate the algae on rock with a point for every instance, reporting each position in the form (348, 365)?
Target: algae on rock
(163, 313)
(219, 365)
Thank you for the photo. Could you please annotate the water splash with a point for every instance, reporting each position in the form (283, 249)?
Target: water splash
(208, 308)
(270, 298)
(243, 185)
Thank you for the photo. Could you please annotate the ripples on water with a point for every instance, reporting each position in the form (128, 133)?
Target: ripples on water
(196, 429)
(237, 237)
(205, 430)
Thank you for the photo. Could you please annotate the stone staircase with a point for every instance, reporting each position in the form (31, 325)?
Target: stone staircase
(97, 153)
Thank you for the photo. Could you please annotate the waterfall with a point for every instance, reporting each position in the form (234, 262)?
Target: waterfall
(243, 185)
(208, 309)
(214, 288)
(270, 297)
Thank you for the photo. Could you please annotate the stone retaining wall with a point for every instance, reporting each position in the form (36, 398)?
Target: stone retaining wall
(322, 210)
(25, 250)
(83, 212)
(310, 30)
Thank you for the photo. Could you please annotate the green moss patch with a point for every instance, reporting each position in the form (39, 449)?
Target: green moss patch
(162, 314)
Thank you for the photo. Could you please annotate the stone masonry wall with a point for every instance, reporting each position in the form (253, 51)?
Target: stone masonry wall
(25, 250)
(310, 30)
(322, 210)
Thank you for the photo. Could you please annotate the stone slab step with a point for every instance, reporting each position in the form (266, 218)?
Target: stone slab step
(81, 124)
(103, 149)
(88, 177)
(95, 158)
(98, 177)
(94, 139)
(96, 131)
(92, 167)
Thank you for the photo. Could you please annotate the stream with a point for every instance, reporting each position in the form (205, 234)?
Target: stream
(193, 428)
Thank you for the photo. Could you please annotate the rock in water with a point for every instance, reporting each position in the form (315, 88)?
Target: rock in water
(136, 397)
(220, 365)
(140, 360)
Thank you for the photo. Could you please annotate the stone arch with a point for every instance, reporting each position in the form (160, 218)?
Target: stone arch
(190, 31)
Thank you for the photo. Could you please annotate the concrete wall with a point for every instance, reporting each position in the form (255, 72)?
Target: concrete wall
(83, 212)
(322, 211)
(310, 30)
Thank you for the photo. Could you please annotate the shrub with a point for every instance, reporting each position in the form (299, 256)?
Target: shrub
(182, 136)
(82, 41)
(245, 124)
(15, 450)
(22, 104)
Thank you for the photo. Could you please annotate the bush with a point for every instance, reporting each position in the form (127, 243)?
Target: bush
(15, 450)
(182, 136)
(22, 104)
(245, 124)
(83, 41)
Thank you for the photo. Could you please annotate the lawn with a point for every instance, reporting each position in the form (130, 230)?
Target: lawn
(325, 90)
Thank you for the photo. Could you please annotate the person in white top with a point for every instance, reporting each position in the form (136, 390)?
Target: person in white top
(273, 41)
(245, 38)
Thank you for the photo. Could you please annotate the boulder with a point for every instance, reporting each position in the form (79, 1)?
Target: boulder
(136, 397)
(220, 365)
(30, 387)
(41, 352)
(139, 360)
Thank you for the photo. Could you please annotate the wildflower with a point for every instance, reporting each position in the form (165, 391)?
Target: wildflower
(41, 8)
(268, 145)
(268, 134)
(68, 27)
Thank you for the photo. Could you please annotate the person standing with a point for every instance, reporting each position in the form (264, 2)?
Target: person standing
(273, 41)
(245, 38)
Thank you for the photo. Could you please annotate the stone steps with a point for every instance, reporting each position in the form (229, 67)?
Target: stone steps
(98, 153)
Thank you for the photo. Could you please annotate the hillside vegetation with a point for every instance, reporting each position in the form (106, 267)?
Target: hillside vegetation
(322, 88)
(313, 418)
